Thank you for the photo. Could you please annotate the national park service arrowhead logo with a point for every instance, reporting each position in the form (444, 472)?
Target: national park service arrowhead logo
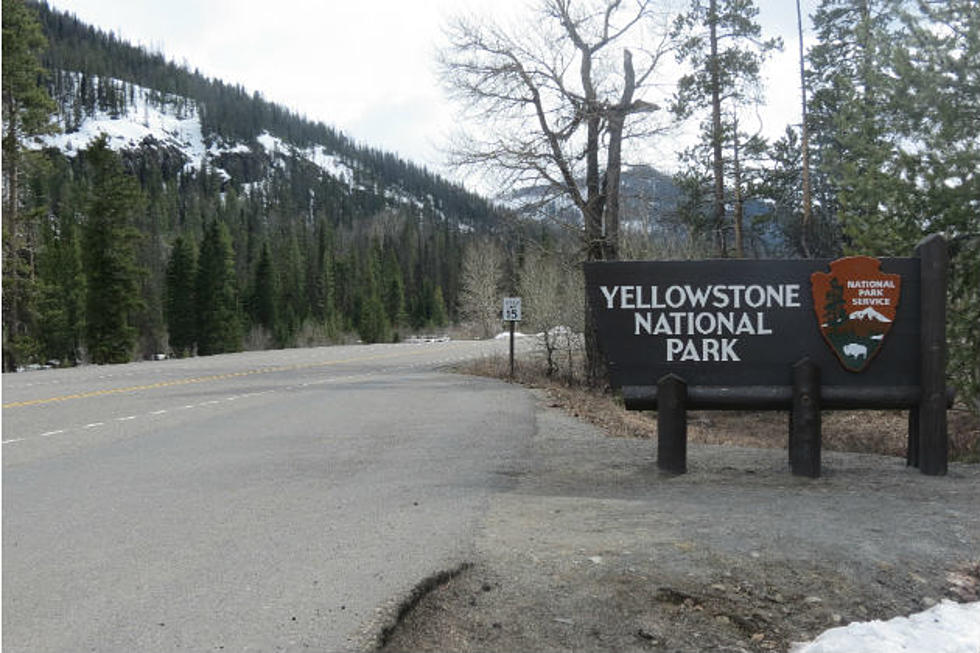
(855, 305)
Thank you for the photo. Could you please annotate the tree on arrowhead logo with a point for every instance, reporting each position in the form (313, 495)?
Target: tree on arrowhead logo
(855, 305)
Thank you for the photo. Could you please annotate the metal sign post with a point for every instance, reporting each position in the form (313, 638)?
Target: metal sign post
(512, 314)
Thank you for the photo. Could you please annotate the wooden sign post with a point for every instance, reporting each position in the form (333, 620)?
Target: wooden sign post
(796, 335)
(929, 438)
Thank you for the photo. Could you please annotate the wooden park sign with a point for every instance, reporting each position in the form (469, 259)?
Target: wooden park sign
(800, 335)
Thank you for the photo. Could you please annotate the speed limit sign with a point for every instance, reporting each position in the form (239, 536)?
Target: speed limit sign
(512, 309)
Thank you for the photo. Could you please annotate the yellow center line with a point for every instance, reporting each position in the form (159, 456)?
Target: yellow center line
(202, 379)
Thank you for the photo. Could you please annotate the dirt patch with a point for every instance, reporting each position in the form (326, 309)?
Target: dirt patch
(860, 431)
(745, 609)
(595, 549)
(416, 596)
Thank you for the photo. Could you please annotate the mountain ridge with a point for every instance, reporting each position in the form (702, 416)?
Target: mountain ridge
(93, 72)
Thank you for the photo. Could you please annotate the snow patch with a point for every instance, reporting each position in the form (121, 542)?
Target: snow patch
(271, 143)
(172, 120)
(504, 335)
(331, 164)
(945, 628)
(239, 148)
(318, 155)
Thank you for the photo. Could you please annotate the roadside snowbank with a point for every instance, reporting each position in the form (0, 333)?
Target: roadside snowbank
(944, 628)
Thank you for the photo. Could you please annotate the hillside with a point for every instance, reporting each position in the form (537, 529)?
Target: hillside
(322, 239)
(94, 74)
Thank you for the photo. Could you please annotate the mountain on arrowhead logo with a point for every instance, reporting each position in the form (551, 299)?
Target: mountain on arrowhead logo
(855, 305)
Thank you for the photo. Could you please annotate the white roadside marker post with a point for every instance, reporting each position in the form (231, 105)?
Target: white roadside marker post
(512, 314)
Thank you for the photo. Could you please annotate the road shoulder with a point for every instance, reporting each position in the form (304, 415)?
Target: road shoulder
(594, 549)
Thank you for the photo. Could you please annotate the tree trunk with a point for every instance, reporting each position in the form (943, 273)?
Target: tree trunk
(592, 214)
(12, 235)
(806, 225)
(737, 212)
(614, 162)
(716, 135)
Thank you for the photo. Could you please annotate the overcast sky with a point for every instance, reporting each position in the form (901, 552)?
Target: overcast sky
(364, 66)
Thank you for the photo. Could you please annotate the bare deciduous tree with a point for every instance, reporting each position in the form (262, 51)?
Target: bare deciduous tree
(553, 101)
(548, 287)
(480, 284)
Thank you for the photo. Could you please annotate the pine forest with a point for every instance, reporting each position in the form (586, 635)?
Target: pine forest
(112, 255)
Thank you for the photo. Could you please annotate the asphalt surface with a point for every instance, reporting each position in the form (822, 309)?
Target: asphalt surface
(252, 502)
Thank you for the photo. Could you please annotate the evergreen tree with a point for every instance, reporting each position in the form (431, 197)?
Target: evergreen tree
(347, 296)
(438, 316)
(27, 109)
(939, 65)
(180, 308)
(852, 80)
(61, 286)
(293, 304)
(109, 255)
(394, 289)
(722, 42)
(694, 213)
(783, 186)
(265, 296)
(219, 328)
(372, 324)
(151, 321)
(324, 308)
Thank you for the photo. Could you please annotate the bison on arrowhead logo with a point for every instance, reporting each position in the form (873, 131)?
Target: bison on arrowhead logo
(855, 305)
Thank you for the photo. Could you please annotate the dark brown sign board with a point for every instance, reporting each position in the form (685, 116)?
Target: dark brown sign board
(733, 332)
(732, 323)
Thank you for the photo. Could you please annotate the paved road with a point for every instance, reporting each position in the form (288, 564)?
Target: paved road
(251, 502)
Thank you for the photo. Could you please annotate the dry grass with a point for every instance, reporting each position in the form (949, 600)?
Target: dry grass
(865, 431)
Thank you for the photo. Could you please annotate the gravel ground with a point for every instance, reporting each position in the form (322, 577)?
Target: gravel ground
(594, 549)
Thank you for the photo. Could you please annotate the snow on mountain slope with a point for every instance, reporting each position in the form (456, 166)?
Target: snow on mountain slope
(316, 154)
(172, 121)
